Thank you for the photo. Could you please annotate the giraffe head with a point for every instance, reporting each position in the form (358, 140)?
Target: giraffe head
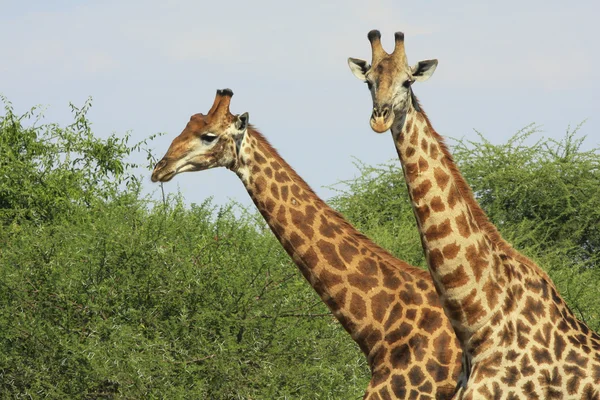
(208, 141)
(389, 79)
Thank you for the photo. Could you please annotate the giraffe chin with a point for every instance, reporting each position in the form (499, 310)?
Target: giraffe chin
(380, 125)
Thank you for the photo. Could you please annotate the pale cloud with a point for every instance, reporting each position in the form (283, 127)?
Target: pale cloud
(552, 73)
(307, 41)
(96, 63)
(191, 45)
(64, 59)
(509, 65)
(388, 18)
(57, 42)
(196, 49)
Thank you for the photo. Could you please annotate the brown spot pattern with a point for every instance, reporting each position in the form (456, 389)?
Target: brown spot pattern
(348, 251)
(463, 226)
(441, 177)
(440, 231)
(423, 164)
(358, 307)
(423, 212)
(421, 191)
(450, 251)
(456, 278)
(437, 204)
(330, 254)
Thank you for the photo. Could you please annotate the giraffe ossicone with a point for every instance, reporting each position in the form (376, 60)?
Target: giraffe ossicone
(519, 338)
(388, 307)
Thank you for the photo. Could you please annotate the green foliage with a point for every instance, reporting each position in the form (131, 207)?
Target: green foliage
(105, 294)
(542, 195)
(544, 198)
(46, 169)
(165, 303)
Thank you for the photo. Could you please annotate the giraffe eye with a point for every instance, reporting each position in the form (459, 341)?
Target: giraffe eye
(369, 85)
(407, 83)
(208, 138)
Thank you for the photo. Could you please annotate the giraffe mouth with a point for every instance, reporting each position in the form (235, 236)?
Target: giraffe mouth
(380, 124)
(162, 173)
(162, 176)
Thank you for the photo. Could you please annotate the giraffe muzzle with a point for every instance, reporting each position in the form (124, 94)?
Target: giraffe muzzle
(382, 118)
(159, 174)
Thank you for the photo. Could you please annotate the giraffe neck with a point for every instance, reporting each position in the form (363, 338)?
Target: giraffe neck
(342, 265)
(461, 245)
(504, 309)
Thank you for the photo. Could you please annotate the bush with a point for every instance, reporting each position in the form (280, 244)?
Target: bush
(46, 169)
(165, 303)
(106, 294)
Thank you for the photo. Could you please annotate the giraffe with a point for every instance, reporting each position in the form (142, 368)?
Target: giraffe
(388, 307)
(519, 338)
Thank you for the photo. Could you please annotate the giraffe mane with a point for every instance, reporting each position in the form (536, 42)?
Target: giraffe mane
(262, 140)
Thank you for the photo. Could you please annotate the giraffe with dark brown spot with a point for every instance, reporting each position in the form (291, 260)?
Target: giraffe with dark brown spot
(389, 308)
(505, 310)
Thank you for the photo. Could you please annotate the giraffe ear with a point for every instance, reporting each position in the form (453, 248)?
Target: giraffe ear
(424, 69)
(241, 121)
(358, 67)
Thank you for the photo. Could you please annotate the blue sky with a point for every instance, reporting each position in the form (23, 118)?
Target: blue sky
(149, 65)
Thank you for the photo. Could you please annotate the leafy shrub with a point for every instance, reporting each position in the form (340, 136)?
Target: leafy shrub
(106, 294)
(46, 169)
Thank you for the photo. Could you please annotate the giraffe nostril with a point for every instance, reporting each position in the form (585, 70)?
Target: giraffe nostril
(381, 112)
(161, 164)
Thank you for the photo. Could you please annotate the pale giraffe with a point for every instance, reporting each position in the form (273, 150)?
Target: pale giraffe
(519, 338)
(389, 308)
